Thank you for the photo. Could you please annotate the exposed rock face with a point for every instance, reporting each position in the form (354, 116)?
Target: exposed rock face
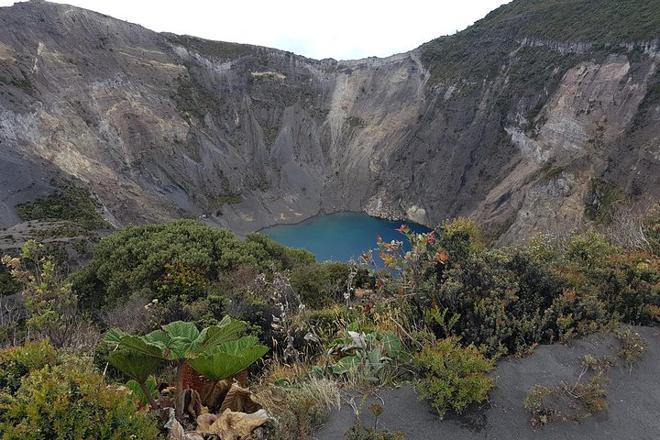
(161, 126)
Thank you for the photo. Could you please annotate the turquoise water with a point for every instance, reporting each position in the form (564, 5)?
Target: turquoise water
(338, 237)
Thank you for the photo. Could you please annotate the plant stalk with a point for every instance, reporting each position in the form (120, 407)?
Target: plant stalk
(179, 390)
(147, 394)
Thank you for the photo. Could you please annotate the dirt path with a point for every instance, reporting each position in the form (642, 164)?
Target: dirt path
(633, 399)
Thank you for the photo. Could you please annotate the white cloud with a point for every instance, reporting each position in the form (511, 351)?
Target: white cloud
(333, 28)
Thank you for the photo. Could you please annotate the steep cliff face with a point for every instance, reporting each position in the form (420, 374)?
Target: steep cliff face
(506, 121)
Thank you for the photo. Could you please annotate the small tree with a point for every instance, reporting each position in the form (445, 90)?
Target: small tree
(49, 301)
(216, 352)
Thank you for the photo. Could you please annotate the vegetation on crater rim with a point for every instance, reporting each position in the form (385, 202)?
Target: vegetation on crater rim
(71, 203)
(443, 313)
(603, 24)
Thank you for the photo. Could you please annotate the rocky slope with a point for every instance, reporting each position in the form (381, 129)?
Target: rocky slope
(522, 120)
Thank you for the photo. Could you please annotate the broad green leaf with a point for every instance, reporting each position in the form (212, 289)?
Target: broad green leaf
(185, 331)
(391, 344)
(227, 330)
(345, 364)
(229, 358)
(158, 337)
(114, 336)
(182, 340)
(178, 348)
(173, 348)
(141, 346)
(197, 346)
(374, 358)
(135, 365)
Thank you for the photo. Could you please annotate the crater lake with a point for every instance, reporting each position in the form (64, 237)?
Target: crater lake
(340, 237)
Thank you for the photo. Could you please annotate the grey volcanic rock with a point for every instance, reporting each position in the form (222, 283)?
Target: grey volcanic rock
(160, 126)
(20, 181)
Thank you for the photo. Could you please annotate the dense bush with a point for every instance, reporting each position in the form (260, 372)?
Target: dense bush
(46, 395)
(180, 260)
(628, 285)
(508, 300)
(71, 203)
(321, 284)
(452, 377)
(17, 362)
(460, 237)
(501, 300)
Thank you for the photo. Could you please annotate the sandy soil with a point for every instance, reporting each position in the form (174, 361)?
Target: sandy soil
(633, 399)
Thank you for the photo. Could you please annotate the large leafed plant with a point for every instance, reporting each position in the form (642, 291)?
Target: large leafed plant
(217, 352)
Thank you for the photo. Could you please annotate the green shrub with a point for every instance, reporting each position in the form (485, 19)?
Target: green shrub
(626, 283)
(49, 395)
(321, 284)
(17, 362)
(588, 250)
(266, 253)
(452, 377)
(176, 260)
(71, 203)
(629, 285)
(508, 300)
(50, 305)
(61, 402)
(501, 298)
(575, 313)
(460, 237)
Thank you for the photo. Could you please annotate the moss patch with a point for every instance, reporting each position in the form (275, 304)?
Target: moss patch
(228, 199)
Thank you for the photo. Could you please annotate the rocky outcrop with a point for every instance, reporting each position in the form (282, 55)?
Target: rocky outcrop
(160, 126)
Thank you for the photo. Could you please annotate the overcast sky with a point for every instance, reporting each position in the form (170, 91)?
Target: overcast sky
(342, 29)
